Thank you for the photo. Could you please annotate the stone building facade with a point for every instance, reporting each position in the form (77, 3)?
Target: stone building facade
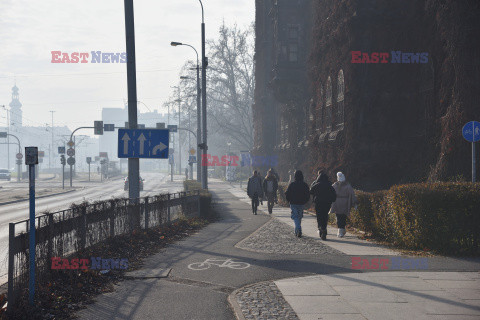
(282, 90)
(380, 123)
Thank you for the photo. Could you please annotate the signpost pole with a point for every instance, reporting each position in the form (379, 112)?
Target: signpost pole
(31, 283)
(63, 176)
(89, 172)
(31, 159)
(471, 133)
(474, 173)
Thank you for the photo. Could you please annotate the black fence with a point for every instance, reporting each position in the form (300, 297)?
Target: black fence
(67, 232)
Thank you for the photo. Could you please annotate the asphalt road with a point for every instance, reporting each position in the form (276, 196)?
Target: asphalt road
(155, 183)
(202, 294)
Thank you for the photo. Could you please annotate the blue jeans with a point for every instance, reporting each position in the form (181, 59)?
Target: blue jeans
(297, 215)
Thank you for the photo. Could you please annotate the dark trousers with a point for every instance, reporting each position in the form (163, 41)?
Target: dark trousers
(254, 202)
(322, 209)
(271, 201)
(341, 221)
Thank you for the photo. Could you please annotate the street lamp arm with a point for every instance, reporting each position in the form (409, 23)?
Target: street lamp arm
(71, 136)
(202, 10)
(188, 131)
(18, 140)
(144, 105)
(185, 44)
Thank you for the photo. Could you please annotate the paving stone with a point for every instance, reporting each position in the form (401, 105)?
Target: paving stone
(264, 301)
(276, 237)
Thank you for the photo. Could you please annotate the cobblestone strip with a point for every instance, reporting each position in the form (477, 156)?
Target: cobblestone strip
(262, 301)
(276, 237)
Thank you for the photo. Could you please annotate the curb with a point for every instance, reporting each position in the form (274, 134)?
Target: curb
(40, 197)
(235, 306)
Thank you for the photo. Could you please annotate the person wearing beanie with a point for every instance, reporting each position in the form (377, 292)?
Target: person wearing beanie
(343, 204)
(323, 196)
(298, 194)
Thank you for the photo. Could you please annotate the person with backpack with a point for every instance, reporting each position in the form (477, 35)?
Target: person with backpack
(270, 186)
(345, 201)
(254, 190)
(323, 197)
(298, 194)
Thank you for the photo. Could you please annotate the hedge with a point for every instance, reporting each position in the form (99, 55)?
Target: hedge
(442, 217)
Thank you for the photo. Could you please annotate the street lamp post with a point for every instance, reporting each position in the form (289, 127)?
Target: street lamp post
(8, 136)
(199, 116)
(204, 103)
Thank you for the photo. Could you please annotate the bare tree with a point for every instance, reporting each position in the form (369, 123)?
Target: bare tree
(230, 89)
(231, 84)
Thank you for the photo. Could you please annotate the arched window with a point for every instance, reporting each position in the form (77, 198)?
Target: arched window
(320, 110)
(340, 119)
(328, 106)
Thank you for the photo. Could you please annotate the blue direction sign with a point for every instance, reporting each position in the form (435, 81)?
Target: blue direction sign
(143, 143)
(471, 131)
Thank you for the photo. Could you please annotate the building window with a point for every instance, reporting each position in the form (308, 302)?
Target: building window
(328, 106)
(320, 110)
(293, 52)
(293, 32)
(340, 101)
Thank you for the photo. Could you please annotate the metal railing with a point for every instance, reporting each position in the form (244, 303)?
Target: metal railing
(69, 231)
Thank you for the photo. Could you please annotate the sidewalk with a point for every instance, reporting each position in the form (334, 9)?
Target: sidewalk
(372, 294)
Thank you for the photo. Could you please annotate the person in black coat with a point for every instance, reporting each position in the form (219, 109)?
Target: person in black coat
(298, 195)
(270, 187)
(323, 196)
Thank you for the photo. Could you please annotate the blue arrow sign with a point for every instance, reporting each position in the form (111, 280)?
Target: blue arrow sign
(471, 131)
(143, 143)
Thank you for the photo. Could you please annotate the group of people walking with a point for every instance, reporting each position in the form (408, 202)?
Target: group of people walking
(256, 189)
(337, 198)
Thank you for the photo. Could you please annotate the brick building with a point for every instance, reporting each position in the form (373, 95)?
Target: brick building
(380, 123)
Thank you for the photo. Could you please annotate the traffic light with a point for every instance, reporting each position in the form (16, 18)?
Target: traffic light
(62, 160)
(98, 127)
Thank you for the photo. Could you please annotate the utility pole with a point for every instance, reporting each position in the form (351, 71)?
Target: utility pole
(133, 163)
(51, 153)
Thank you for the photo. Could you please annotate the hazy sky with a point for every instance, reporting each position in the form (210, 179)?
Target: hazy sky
(30, 30)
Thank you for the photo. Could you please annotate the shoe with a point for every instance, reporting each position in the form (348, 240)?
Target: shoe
(319, 232)
(338, 233)
(300, 234)
(297, 233)
(323, 234)
(341, 233)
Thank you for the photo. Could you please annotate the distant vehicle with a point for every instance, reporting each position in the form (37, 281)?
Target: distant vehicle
(5, 174)
(125, 183)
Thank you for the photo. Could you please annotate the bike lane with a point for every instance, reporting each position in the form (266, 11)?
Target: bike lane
(205, 268)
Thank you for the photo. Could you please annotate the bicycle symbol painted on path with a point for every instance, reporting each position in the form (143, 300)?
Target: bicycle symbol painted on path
(229, 263)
